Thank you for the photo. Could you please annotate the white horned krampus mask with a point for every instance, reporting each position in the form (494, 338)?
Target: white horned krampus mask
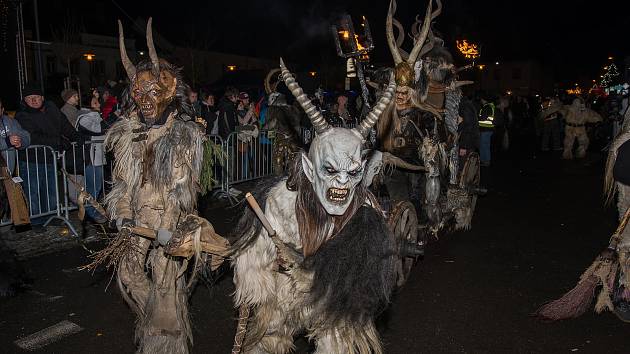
(336, 161)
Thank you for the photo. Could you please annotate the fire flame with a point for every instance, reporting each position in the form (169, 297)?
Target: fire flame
(346, 35)
(469, 50)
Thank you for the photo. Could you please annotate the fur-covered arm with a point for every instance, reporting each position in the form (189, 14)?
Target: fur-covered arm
(592, 116)
(255, 267)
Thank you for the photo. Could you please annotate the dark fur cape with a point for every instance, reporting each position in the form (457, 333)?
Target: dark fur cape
(354, 272)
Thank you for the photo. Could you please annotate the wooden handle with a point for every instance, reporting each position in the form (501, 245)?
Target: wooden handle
(144, 232)
(259, 213)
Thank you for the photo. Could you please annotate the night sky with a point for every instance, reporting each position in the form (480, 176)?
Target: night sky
(574, 38)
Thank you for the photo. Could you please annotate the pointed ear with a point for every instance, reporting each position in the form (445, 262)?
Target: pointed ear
(307, 167)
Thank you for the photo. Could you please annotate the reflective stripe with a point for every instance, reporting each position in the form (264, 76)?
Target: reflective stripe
(488, 122)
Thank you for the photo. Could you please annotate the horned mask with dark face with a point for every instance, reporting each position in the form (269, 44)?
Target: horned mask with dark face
(336, 161)
(154, 84)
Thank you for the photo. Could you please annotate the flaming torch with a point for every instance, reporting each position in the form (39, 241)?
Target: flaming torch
(355, 47)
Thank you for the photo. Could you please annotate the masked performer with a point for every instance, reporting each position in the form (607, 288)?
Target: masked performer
(335, 228)
(608, 277)
(158, 151)
(424, 126)
(284, 120)
(576, 117)
(618, 184)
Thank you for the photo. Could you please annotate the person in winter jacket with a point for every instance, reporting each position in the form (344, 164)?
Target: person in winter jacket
(47, 126)
(90, 125)
(12, 137)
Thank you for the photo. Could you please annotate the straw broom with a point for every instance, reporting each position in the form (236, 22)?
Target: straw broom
(577, 300)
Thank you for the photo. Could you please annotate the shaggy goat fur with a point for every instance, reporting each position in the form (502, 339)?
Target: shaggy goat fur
(339, 288)
(161, 169)
(353, 273)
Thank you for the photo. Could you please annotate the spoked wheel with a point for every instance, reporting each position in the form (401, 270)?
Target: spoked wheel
(404, 224)
(469, 181)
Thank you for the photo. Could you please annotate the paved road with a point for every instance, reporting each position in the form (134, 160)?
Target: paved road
(540, 226)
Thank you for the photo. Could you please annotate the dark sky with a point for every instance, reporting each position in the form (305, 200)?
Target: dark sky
(572, 38)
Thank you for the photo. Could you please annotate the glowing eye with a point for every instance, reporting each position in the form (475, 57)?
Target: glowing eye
(154, 92)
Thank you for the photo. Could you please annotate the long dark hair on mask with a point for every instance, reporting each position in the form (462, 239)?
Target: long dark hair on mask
(313, 221)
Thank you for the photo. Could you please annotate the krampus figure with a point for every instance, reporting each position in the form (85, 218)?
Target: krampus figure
(576, 116)
(426, 124)
(158, 151)
(324, 212)
(284, 121)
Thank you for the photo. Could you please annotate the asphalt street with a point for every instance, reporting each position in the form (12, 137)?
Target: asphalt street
(541, 224)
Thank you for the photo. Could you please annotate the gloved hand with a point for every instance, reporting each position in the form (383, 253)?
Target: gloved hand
(120, 222)
(163, 236)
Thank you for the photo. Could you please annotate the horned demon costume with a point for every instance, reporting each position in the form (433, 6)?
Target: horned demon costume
(325, 212)
(158, 153)
(284, 121)
(424, 126)
(576, 116)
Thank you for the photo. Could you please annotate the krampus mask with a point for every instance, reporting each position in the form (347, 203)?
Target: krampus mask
(336, 161)
(154, 84)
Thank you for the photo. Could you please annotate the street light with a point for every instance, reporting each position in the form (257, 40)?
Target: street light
(231, 67)
(89, 56)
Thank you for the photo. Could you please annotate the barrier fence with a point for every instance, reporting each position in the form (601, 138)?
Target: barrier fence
(51, 194)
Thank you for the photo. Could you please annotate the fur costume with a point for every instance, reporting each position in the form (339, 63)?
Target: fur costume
(327, 215)
(158, 153)
(576, 117)
(430, 89)
(622, 193)
(284, 120)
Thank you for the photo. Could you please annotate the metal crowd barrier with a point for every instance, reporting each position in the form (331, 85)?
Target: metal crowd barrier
(248, 157)
(36, 168)
(51, 194)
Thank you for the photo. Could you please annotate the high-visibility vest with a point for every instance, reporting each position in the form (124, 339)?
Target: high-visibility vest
(487, 122)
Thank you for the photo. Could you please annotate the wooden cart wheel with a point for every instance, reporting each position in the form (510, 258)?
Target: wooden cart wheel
(470, 179)
(404, 224)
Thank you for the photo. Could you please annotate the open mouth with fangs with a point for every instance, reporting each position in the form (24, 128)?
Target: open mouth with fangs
(147, 110)
(337, 194)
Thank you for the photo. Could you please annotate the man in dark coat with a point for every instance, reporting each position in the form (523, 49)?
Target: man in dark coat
(228, 118)
(47, 126)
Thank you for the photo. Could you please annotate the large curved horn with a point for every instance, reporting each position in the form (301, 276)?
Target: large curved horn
(438, 10)
(422, 36)
(127, 64)
(316, 117)
(390, 159)
(368, 122)
(400, 39)
(391, 41)
(268, 88)
(428, 45)
(401, 33)
(152, 53)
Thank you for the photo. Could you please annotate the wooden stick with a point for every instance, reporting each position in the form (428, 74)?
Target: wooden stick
(259, 213)
(288, 254)
(241, 328)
